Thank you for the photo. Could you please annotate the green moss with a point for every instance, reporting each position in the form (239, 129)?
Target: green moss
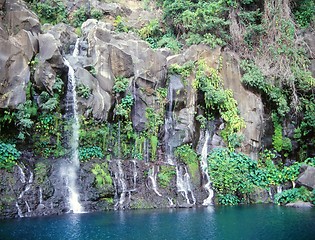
(102, 175)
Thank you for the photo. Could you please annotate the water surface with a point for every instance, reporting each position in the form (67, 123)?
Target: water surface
(240, 222)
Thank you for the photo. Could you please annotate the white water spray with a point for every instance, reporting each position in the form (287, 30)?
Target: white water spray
(204, 168)
(26, 189)
(168, 126)
(119, 176)
(135, 174)
(183, 184)
(70, 171)
(152, 177)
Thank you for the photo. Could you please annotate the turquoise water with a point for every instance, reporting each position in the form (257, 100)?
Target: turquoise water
(240, 222)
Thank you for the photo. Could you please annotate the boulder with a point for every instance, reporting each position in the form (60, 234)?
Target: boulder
(307, 177)
(19, 17)
(15, 75)
(124, 55)
(19, 29)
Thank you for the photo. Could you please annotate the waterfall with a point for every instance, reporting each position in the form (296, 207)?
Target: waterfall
(168, 126)
(279, 189)
(171, 202)
(70, 171)
(26, 189)
(152, 177)
(20, 214)
(120, 184)
(40, 195)
(183, 184)
(204, 169)
(28, 206)
(135, 174)
(22, 175)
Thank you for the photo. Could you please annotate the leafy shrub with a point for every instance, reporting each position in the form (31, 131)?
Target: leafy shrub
(123, 108)
(304, 12)
(228, 199)
(79, 16)
(165, 175)
(169, 41)
(120, 25)
(52, 11)
(96, 14)
(279, 142)
(186, 154)
(254, 78)
(8, 155)
(198, 18)
(293, 195)
(87, 153)
(121, 84)
(50, 105)
(102, 175)
(26, 111)
(231, 172)
(152, 29)
(83, 91)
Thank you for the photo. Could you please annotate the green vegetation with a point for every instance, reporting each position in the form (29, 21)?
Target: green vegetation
(41, 172)
(304, 12)
(120, 25)
(102, 176)
(293, 195)
(8, 156)
(121, 85)
(186, 154)
(235, 175)
(83, 91)
(55, 11)
(87, 153)
(165, 175)
(52, 11)
(218, 101)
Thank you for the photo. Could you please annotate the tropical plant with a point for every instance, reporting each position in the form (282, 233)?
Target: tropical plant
(121, 84)
(8, 156)
(293, 195)
(165, 175)
(83, 91)
(102, 176)
(88, 153)
(52, 11)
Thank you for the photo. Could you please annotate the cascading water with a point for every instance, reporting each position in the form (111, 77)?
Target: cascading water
(26, 189)
(183, 184)
(40, 195)
(135, 174)
(168, 126)
(279, 189)
(152, 177)
(121, 186)
(204, 168)
(69, 172)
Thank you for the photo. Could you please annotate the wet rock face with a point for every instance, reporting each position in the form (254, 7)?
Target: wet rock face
(41, 190)
(307, 177)
(138, 185)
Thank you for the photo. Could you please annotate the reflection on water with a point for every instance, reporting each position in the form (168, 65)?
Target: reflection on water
(240, 222)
